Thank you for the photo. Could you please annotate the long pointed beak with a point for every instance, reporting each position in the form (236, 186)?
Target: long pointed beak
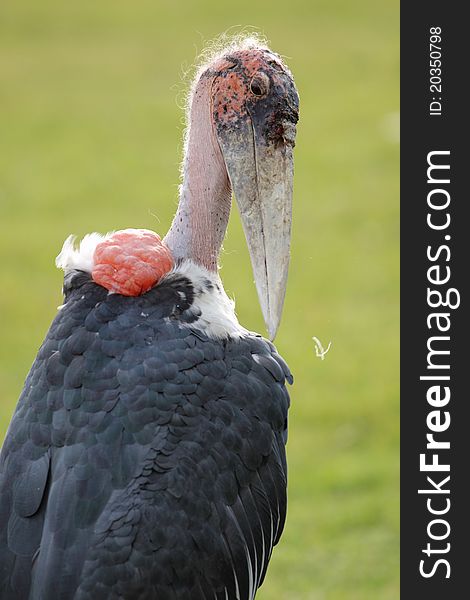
(261, 172)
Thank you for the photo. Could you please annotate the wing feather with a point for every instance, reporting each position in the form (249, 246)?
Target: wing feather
(144, 459)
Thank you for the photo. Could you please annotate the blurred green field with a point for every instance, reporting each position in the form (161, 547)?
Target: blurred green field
(90, 140)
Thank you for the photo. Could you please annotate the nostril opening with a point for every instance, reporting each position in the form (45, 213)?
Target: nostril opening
(275, 65)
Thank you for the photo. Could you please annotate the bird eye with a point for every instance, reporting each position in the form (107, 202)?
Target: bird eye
(260, 84)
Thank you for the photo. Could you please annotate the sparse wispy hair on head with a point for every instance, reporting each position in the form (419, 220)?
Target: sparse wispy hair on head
(225, 43)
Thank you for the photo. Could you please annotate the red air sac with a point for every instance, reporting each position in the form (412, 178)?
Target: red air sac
(131, 261)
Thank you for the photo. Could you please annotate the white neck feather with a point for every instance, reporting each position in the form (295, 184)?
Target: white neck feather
(80, 257)
(217, 311)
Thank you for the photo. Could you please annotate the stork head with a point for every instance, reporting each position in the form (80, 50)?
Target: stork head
(255, 110)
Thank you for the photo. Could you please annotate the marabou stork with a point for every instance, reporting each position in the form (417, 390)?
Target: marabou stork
(146, 456)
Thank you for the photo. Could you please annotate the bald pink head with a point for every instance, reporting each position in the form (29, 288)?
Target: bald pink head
(242, 78)
(130, 262)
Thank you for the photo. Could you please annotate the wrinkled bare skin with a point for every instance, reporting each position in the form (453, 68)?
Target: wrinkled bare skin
(241, 134)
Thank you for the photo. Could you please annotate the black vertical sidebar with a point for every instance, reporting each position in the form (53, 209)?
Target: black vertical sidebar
(435, 251)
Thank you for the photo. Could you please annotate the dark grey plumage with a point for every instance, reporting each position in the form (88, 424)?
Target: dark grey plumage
(144, 460)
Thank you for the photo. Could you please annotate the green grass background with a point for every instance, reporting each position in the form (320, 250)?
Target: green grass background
(90, 139)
